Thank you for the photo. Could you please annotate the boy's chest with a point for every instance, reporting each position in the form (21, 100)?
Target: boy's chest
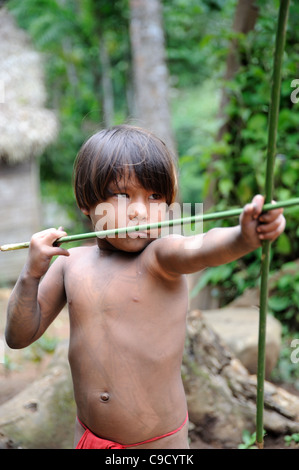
(109, 287)
(121, 293)
(123, 306)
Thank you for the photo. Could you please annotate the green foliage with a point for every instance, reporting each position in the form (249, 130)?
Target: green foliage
(229, 281)
(37, 350)
(284, 300)
(194, 28)
(249, 440)
(293, 438)
(195, 143)
(34, 353)
(235, 168)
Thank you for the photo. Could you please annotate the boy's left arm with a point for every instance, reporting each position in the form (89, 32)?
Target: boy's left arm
(184, 255)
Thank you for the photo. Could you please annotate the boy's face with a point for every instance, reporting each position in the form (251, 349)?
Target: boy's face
(128, 204)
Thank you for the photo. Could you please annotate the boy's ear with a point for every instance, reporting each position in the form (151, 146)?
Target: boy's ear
(85, 211)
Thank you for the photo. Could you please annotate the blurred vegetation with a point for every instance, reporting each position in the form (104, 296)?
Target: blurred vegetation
(34, 353)
(198, 35)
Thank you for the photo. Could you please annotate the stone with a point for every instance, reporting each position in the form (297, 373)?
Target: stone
(238, 328)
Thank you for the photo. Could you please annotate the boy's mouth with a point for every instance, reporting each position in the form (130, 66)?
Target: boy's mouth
(137, 234)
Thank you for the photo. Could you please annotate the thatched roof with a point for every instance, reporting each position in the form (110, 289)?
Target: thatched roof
(26, 127)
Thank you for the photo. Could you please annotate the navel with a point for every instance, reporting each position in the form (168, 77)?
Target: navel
(104, 397)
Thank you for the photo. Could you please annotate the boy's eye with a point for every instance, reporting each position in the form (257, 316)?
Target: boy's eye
(155, 196)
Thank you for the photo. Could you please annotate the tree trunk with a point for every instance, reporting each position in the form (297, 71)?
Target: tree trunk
(95, 20)
(149, 68)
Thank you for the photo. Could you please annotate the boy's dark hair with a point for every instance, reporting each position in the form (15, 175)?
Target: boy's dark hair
(111, 154)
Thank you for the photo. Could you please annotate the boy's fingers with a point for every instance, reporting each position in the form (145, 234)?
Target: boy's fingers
(54, 234)
(270, 226)
(248, 211)
(49, 233)
(60, 252)
(54, 251)
(271, 215)
(46, 240)
(254, 209)
(273, 234)
(257, 202)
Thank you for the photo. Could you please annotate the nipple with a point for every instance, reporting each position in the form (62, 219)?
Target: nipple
(104, 397)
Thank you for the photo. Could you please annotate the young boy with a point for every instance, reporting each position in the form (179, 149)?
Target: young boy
(127, 294)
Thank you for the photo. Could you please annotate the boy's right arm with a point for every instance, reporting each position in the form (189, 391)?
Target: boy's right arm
(33, 303)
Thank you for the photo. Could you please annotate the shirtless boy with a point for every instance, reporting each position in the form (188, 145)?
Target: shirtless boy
(127, 295)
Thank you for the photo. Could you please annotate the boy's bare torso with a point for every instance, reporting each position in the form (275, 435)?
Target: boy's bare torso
(127, 338)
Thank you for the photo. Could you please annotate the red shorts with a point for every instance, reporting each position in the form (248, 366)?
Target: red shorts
(91, 441)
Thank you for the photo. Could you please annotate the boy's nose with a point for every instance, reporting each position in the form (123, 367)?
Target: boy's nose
(137, 210)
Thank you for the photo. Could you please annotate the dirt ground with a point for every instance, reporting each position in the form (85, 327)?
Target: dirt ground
(24, 366)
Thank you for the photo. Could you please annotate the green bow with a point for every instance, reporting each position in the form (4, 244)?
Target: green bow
(271, 150)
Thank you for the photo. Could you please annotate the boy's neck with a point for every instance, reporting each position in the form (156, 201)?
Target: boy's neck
(107, 249)
(105, 246)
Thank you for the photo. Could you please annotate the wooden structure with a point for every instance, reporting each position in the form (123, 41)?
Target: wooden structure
(26, 128)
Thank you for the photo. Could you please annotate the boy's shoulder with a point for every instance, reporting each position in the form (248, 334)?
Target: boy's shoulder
(164, 241)
(76, 253)
(153, 254)
(78, 250)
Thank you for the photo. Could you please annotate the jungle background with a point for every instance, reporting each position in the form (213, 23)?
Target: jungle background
(219, 62)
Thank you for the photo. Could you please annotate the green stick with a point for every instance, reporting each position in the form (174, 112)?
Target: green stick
(271, 150)
(166, 223)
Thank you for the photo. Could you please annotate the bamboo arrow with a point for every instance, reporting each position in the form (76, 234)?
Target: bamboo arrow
(165, 223)
(271, 149)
